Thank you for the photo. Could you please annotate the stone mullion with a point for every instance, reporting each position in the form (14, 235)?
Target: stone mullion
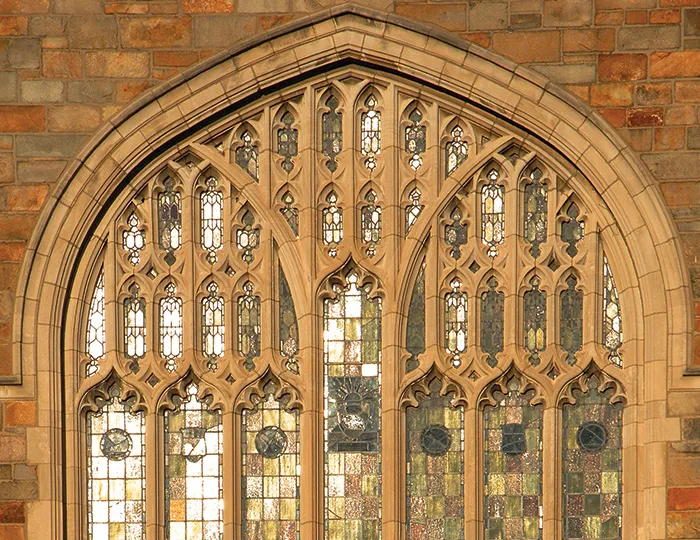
(155, 471)
(551, 474)
(232, 469)
(473, 451)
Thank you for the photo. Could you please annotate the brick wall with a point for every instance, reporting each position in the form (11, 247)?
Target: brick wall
(67, 66)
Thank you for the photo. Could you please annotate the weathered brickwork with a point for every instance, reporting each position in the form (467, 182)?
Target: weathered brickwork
(68, 66)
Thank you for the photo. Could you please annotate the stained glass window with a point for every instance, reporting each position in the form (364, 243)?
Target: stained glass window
(194, 483)
(513, 468)
(535, 215)
(287, 145)
(352, 360)
(248, 237)
(571, 320)
(535, 320)
(612, 318)
(169, 220)
(456, 233)
(332, 133)
(493, 215)
(133, 239)
(116, 471)
(456, 322)
(332, 224)
(290, 213)
(572, 229)
(170, 327)
(592, 458)
(415, 140)
(289, 332)
(247, 155)
(414, 209)
(371, 218)
(492, 321)
(212, 220)
(134, 326)
(271, 465)
(213, 326)
(370, 134)
(456, 151)
(435, 468)
(415, 328)
(249, 325)
(95, 336)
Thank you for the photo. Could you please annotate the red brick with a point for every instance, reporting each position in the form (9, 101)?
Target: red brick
(615, 117)
(155, 32)
(665, 16)
(11, 512)
(684, 498)
(7, 168)
(648, 116)
(670, 138)
(636, 17)
(607, 95)
(61, 64)
(480, 38)
(688, 91)
(126, 9)
(119, 64)
(680, 115)
(682, 524)
(595, 39)
(126, 91)
(13, 26)
(175, 58)
(12, 251)
(23, 198)
(270, 21)
(207, 6)
(679, 3)
(678, 194)
(667, 65)
(73, 118)
(22, 118)
(580, 91)
(640, 140)
(20, 413)
(163, 9)
(16, 226)
(24, 6)
(165, 73)
(622, 67)
(525, 47)
(11, 532)
(609, 18)
(449, 16)
(653, 94)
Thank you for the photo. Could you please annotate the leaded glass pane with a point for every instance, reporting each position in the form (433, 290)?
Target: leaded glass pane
(95, 336)
(592, 462)
(456, 234)
(370, 135)
(116, 471)
(287, 145)
(435, 469)
(535, 320)
(271, 468)
(332, 224)
(213, 326)
(248, 237)
(414, 209)
(134, 326)
(194, 483)
(492, 302)
(415, 140)
(332, 133)
(352, 361)
(535, 215)
(170, 327)
(493, 215)
(571, 320)
(249, 325)
(212, 220)
(456, 322)
(371, 215)
(290, 213)
(247, 155)
(289, 333)
(612, 317)
(513, 468)
(169, 220)
(572, 229)
(133, 239)
(415, 328)
(456, 151)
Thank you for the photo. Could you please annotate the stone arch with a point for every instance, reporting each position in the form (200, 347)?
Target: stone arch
(641, 240)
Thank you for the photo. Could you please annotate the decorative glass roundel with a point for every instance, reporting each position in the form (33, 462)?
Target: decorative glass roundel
(271, 442)
(116, 444)
(435, 440)
(591, 436)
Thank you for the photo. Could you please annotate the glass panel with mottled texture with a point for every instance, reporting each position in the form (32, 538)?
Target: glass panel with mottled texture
(332, 133)
(290, 212)
(213, 326)
(134, 326)
(415, 327)
(332, 224)
(612, 317)
(371, 223)
(413, 209)
(456, 234)
(247, 155)
(248, 237)
(492, 302)
(535, 214)
(535, 321)
(289, 332)
(493, 214)
(169, 220)
(370, 135)
(456, 322)
(194, 482)
(571, 319)
(211, 220)
(415, 140)
(352, 383)
(456, 151)
(249, 325)
(170, 327)
(95, 344)
(572, 229)
(133, 239)
(287, 141)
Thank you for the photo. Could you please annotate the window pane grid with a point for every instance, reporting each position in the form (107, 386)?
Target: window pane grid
(95, 336)
(212, 220)
(612, 318)
(213, 326)
(170, 327)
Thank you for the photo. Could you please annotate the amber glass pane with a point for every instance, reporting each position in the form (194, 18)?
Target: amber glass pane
(612, 318)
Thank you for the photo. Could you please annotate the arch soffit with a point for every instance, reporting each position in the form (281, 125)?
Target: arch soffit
(166, 115)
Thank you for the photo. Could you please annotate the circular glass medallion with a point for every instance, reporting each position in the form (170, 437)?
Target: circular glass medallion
(116, 444)
(435, 440)
(271, 442)
(591, 436)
